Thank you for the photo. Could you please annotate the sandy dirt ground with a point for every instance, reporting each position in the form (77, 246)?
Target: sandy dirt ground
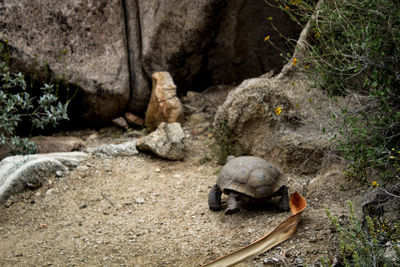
(146, 211)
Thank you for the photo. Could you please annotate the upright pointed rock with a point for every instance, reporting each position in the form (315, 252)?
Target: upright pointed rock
(164, 105)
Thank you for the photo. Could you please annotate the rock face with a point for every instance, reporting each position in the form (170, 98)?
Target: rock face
(164, 105)
(110, 49)
(204, 43)
(166, 141)
(20, 172)
(82, 41)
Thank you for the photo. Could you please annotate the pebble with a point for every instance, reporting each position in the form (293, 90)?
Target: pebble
(140, 200)
(82, 168)
(92, 137)
(48, 192)
(271, 259)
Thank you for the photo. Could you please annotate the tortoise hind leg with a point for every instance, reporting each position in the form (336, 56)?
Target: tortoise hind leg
(214, 198)
(284, 201)
(233, 204)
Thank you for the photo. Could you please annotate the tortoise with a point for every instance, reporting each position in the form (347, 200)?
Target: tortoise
(245, 178)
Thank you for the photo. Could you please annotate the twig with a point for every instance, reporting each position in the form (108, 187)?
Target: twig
(390, 194)
(106, 198)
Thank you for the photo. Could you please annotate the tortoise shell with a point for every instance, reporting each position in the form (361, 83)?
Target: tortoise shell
(252, 176)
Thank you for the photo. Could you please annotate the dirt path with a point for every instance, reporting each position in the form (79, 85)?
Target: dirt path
(144, 211)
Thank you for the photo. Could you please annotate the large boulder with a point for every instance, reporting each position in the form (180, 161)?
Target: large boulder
(31, 171)
(204, 43)
(110, 49)
(280, 119)
(80, 41)
(283, 118)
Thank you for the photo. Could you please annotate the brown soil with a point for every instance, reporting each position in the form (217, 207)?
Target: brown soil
(146, 211)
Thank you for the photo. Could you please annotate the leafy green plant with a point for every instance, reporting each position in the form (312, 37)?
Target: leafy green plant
(225, 144)
(17, 104)
(374, 242)
(353, 48)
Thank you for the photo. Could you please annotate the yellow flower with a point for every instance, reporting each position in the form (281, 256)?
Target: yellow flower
(278, 110)
(316, 34)
(287, 7)
(266, 38)
(375, 184)
(294, 61)
(270, 18)
(306, 66)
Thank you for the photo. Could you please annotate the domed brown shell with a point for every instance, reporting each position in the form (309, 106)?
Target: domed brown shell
(252, 176)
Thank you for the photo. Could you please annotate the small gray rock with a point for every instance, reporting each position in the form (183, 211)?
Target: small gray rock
(59, 173)
(121, 122)
(140, 200)
(166, 141)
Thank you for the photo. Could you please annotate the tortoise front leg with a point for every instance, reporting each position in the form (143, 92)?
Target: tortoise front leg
(233, 204)
(284, 201)
(214, 198)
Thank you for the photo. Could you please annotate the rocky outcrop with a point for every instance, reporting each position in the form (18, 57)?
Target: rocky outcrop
(280, 120)
(166, 141)
(205, 43)
(110, 49)
(80, 41)
(164, 105)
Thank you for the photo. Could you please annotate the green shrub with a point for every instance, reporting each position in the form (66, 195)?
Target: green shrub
(374, 242)
(225, 144)
(17, 104)
(354, 49)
